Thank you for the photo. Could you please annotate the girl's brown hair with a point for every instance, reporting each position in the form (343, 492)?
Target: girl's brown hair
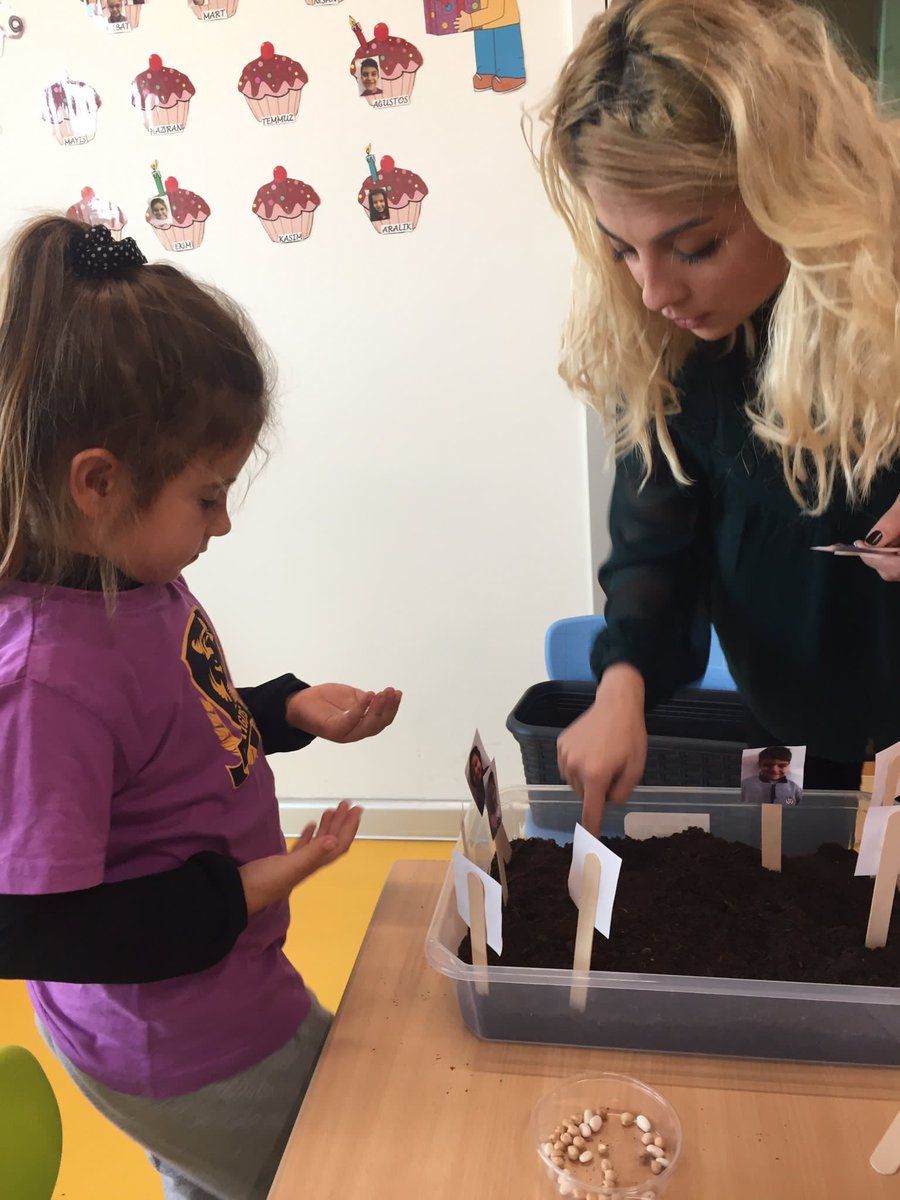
(149, 365)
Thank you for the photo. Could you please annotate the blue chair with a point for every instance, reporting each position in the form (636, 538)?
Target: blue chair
(30, 1128)
(567, 653)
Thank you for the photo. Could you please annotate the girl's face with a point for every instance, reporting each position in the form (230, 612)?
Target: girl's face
(705, 266)
(370, 78)
(158, 211)
(173, 531)
(379, 203)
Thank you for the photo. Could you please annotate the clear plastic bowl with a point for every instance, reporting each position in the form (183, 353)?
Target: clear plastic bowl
(617, 1093)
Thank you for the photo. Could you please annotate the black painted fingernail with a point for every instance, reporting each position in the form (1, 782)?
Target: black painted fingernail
(874, 537)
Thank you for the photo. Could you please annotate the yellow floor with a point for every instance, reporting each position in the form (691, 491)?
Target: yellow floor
(330, 916)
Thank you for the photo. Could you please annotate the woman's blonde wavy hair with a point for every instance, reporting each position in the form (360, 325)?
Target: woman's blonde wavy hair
(688, 99)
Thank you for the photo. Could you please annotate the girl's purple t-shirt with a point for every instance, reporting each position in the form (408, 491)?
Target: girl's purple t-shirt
(125, 750)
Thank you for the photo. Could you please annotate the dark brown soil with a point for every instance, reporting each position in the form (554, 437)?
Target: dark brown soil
(693, 904)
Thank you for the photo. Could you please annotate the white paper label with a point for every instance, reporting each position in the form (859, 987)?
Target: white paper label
(493, 898)
(610, 865)
(874, 830)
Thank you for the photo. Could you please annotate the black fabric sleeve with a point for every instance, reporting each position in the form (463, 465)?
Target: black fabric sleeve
(655, 578)
(266, 705)
(141, 930)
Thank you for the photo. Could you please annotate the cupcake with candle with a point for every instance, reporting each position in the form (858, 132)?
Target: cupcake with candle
(177, 217)
(271, 85)
(117, 16)
(93, 211)
(163, 96)
(70, 108)
(390, 196)
(286, 207)
(213, 10)
(385, 67)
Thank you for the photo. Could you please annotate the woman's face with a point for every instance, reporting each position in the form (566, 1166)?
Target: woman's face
(370, 78)
(705, 266)
(379, 203)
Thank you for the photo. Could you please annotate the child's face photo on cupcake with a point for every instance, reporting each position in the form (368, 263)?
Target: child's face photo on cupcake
(378, 205)
(159, 211)
(369, 77)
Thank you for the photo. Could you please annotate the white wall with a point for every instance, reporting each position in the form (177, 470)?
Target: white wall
(424, 515)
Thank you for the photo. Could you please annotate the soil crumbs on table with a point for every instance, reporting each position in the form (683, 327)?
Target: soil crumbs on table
(694, 904)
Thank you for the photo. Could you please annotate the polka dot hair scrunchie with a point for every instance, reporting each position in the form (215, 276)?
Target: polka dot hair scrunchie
(95, 254)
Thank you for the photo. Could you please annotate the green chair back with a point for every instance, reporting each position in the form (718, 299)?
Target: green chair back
(30, 1128)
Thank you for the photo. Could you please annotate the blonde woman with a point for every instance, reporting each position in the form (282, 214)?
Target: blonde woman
(734, 197)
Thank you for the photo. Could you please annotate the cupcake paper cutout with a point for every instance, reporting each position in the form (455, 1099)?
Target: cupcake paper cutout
(286, 207)
(271, 85)
(163, 96)
(385, 67)
(390, 196)
(213, 10)
(93, 211)
(116, 16)
(70, 108)
(177, 217)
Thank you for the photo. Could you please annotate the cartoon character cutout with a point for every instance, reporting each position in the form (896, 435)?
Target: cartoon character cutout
(385, 67)
(391, 197)
(497, 28)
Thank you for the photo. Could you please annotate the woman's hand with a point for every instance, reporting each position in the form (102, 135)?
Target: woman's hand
(602, 755)
(885, 533)
(267, 880)
(340, 713)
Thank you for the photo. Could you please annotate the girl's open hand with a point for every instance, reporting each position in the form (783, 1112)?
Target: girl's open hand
(267, 880)
(885, 533)
(340, 713)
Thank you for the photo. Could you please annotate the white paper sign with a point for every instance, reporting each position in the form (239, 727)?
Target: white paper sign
(873, 838)
(642, 825)
(493, 898)
(610, 865)
(886, 784)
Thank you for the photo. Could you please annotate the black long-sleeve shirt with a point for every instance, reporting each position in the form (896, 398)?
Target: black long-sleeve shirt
(812, 641)
(153, 927)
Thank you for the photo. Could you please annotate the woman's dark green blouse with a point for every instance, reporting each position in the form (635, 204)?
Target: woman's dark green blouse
(813, 641)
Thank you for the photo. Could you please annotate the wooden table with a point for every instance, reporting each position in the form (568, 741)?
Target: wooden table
(406, 1104)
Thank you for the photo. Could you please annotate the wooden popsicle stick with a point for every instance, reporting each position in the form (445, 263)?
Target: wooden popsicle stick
(891, 783)
(502, 844)
(584, 936)
(501, 867)
(463, 837)
(477, 928)
(885, 885)
(770, 816)
(886, 1155)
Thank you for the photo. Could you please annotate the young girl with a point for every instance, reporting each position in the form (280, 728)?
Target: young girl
(143, 872)
(734, 198)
